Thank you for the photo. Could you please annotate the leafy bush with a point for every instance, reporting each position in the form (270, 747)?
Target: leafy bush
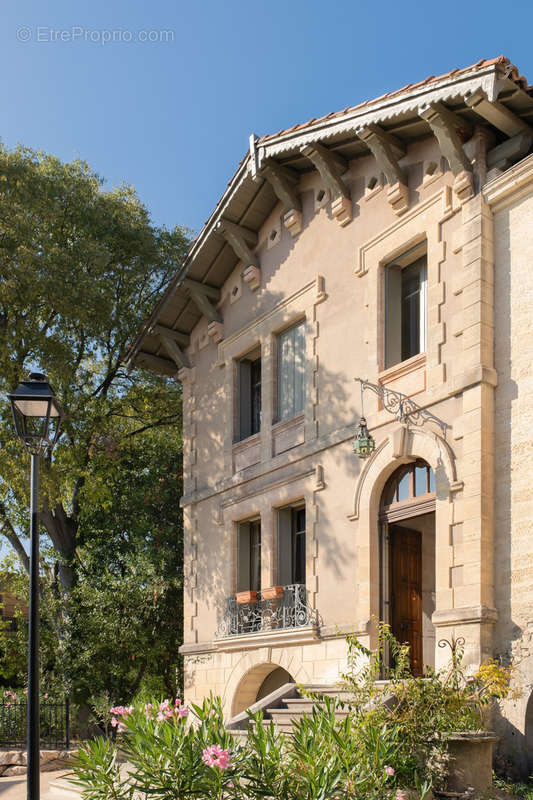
(392, 735)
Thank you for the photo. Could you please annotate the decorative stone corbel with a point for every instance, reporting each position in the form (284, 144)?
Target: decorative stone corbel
(331, 166)
(293, 221)
(215, 330)
(252, 276)
(387, 150)
(445, 126)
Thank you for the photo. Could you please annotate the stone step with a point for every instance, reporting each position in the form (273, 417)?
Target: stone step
(304, 703)
(62, 789)
(290, 715)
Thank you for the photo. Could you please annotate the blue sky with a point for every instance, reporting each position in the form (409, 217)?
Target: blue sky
(173, 116)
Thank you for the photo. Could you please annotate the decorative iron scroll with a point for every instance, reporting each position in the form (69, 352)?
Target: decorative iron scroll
(289, 611)
(401, 406)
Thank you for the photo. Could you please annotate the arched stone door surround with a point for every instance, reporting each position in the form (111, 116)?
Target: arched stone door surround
(403, 445)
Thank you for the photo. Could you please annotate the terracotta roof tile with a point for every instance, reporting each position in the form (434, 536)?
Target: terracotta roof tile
(513, 74)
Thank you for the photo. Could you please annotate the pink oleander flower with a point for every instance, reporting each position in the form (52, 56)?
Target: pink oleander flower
(46, 696)
(7, 705)
(389, 771)
(214, 756)
(177, 702)
(25, 691)
(182, 711)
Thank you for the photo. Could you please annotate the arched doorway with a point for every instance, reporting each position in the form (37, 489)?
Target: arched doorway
(257, 683)
(407, 560)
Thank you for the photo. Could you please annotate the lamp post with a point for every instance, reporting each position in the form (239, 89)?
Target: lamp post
(37, 416)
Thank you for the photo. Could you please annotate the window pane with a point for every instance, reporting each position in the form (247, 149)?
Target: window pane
(431, 480)
(291, 371)
(298, 545)
(255, 556)
(421, 480)
(403, 488)
(255, 399)
(410, 311)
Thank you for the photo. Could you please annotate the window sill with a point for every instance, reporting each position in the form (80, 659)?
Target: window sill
(276, 638)
(243, 444)
(408, 377)
(402, 368)
(247, 452)
(287, 434)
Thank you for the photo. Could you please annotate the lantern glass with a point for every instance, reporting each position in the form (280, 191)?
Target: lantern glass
(36, 413)
(364, 441)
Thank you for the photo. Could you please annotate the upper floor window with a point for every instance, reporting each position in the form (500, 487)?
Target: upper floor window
(291, 546)
(405, 307)
(249, 378)
(249, 556)
(291, 371)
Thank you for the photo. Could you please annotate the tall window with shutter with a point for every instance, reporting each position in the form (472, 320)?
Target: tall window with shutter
(405, 307)
(249, 380)
(291, 371)
(291, 546)
(249, 556)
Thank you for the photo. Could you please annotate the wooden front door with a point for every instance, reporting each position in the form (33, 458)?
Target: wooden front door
(406, 591)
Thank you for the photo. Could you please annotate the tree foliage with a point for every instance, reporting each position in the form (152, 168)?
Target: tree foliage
(80, 268)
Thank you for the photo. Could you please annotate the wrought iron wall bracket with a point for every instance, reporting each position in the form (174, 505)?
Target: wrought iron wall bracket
(403, 408)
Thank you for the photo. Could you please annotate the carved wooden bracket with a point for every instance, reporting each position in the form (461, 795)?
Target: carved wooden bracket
(283, 181)
(239, 239)
(496, 113)
(445, 126)
(387, 150)
(174, 350)
(202, 295)
(331, 166)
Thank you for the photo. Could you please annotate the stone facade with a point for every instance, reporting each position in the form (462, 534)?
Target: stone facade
(320, 255)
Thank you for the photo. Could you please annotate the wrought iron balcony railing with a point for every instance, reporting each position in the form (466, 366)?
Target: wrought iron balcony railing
(289, 611)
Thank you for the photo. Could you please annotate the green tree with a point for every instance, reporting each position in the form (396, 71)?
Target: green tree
(80, 268)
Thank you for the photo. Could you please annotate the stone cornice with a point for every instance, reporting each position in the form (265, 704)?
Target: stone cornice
(511, 186)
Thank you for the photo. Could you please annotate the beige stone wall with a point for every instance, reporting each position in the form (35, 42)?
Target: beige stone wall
(513, 225)
(333, 276)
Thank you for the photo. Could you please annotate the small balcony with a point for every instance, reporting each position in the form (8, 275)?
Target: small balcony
(288, 611)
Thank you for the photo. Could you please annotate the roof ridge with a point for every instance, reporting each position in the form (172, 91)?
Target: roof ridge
(482, 63)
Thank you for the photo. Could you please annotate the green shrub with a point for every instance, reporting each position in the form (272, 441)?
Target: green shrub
(393, 735)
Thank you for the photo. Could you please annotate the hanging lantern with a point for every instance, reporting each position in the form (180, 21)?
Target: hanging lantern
(364, 443)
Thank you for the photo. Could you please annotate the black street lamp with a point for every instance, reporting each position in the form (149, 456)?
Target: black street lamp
(37, 416)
